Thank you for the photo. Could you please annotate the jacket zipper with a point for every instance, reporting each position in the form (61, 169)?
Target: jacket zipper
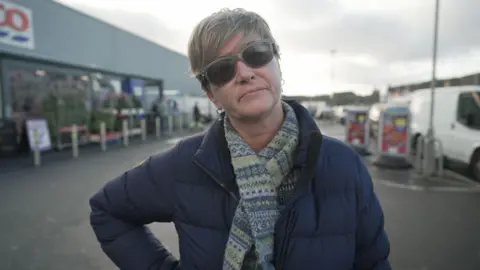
(314, 148)
(286, 239)
(216, 180)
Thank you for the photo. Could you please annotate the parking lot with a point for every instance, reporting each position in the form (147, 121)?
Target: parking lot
(45, 212)
(456, 178)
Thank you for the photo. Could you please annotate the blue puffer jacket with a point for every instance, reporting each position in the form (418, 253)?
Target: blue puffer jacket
(333, 221)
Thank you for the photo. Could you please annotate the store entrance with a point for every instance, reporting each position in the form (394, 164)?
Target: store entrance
(58, 97)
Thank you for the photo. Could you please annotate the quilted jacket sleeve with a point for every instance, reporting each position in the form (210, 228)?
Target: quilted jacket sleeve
(124, 205)
(373, 247)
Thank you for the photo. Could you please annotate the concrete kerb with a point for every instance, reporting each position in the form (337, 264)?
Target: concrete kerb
(461, 178)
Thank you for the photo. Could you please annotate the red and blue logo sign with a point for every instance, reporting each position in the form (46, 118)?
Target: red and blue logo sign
(15, 24)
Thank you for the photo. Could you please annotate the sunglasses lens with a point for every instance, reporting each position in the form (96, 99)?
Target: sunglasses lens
(258, 54)
(221, 72)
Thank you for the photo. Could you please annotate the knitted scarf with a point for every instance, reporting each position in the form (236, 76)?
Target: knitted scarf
(263, 179)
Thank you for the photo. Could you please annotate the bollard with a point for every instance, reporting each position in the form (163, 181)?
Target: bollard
(37, 158)
(180, 122)
(157, 127)
(439, 163)
(103, 136)
(190, 122)
(186, 121)
(125, 132)
(143, 127)
(170, 124)
(74, 141)
(419, 153)
(425, 160)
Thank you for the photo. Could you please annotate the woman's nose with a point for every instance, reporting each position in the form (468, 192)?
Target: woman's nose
(244, 73)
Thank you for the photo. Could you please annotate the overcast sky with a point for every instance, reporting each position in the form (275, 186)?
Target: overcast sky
(377, 41)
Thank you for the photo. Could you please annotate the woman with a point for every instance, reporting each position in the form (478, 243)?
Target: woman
(261, 189)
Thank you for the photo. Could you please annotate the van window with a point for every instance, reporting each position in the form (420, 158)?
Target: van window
(468, 110)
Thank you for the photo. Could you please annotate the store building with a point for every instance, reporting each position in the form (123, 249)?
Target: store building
(395, 91)
(60, 64)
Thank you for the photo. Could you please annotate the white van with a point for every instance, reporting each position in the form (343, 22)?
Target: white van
(456, 122)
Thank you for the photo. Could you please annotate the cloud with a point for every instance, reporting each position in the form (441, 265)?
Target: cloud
(457, 27)
(377, 41)
(140, 23)
(388, 36)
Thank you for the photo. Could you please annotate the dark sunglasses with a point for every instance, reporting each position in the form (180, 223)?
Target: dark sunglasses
(222, 70)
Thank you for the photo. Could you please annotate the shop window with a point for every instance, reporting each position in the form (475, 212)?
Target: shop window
(103, 102)
(111, 105)
(153, 96)
(60, 98)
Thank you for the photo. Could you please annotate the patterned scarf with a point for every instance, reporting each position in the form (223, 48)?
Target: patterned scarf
(265, 181)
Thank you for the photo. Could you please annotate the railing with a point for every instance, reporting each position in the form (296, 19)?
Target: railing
(421, 146)
(182, 121)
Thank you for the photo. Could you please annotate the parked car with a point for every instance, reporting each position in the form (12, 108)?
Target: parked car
(324, 114)
(339, 114)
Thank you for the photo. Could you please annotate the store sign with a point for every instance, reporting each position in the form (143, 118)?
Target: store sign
(16, 25)
(394, 133)
(356, 128)
(38, 134)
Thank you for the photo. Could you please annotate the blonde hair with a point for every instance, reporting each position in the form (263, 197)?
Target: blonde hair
(212, 32)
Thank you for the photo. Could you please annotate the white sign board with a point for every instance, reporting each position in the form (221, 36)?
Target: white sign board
(138, 91)
(16, 25)
(39, 128)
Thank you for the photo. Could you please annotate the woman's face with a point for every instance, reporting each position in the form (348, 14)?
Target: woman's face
(252, 92)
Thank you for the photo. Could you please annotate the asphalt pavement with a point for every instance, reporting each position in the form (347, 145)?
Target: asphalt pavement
(45, 226)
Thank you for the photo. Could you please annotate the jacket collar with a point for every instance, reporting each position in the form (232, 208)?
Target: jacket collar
(213, 155)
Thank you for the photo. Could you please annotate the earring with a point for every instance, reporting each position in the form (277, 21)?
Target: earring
(282, 82)
(219, 111)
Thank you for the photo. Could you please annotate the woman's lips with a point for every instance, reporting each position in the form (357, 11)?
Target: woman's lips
(252, 92)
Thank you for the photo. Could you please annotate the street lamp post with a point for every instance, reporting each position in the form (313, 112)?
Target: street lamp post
(429, 165)
(332, 69)
(332, 74)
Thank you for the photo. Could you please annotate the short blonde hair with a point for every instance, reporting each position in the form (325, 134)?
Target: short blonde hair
(212, 32)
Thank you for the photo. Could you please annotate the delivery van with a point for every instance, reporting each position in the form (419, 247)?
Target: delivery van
(456, 122)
